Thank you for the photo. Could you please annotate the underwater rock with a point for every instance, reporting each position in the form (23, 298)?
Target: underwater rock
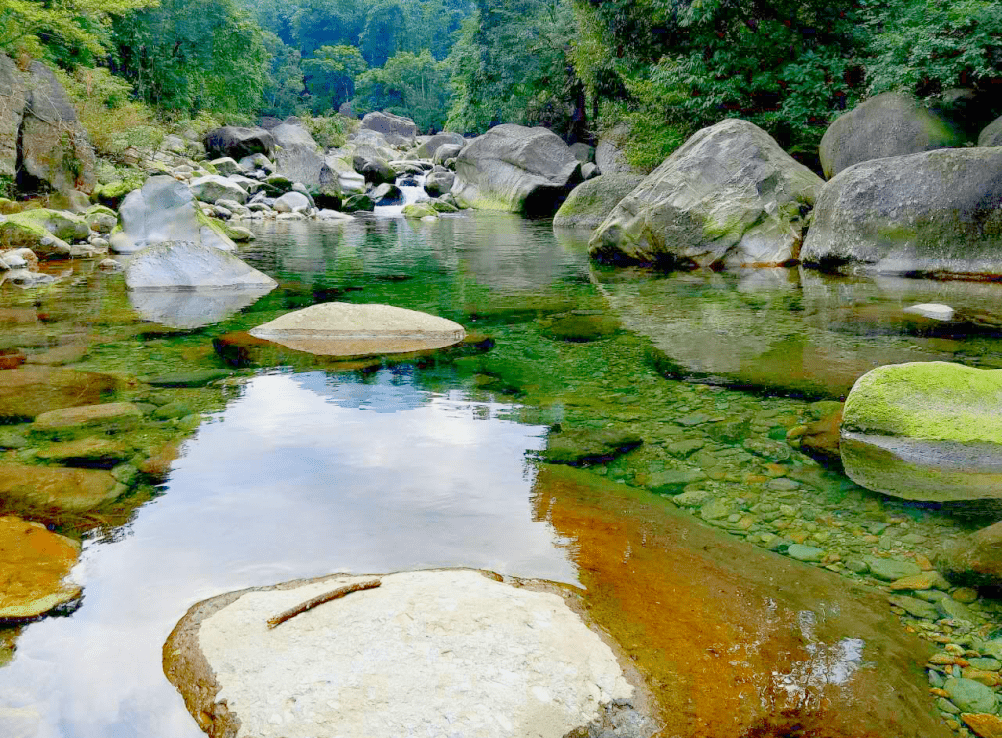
(925, 431)
(347, 329)
(509, 658)
(69, 423)
(27, 392)
(582, 447)
(34, 563)
(46, 488)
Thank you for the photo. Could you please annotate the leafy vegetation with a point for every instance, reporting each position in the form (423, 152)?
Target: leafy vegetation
(413, 85)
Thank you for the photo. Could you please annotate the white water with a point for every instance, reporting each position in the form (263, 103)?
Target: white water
(411, 194)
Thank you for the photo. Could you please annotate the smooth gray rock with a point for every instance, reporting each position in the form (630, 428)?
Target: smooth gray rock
(936, 213)
(991, 135)
(729, 196)
(186, 265)
(374, 168)
(446, 152)
(516, 169)
(428, 149)
(890, 124)
(213, 187)
(163, 210)
(397, 130)
(387, 194)
(583, 152)
(609, 154)
(591, 202)
(226, 166)
(438, 183)
(292, 202)
(891, 569)
(254, 162)
(297, 155)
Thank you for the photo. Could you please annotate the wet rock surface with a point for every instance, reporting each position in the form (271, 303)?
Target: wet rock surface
(514, 658)
(34, 564)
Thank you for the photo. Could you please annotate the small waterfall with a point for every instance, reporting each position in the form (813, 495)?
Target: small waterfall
(411, 193)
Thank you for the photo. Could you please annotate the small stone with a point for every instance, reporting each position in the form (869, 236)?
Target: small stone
(984, 725)
(783, 484)
(196, 378)
(692, 420)
(805, 553)
(693, 498)
(915, 607)
(925, 580)
(891, 569)
(965, 595)
(988, 678)
(715, 509)
(985, 664)
(970, 696)
(857, 566)
(946, 706)
(950, 608)
(111, 417)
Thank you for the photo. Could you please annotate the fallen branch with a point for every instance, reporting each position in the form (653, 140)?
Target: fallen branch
(334, 594)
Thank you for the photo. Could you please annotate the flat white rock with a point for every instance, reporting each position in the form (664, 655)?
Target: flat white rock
(347, 329)
(187, 265)
(932, 310)
(430, 653)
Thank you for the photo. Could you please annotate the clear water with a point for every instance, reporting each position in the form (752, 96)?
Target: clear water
(297, 472)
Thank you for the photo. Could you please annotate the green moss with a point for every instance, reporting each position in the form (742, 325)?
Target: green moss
(218, 226)
(419, 210)
(928, 400)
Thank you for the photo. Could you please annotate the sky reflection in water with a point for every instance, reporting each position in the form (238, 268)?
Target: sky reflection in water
(303, 475)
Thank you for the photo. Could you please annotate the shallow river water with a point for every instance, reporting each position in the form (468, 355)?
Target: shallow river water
(299, 470)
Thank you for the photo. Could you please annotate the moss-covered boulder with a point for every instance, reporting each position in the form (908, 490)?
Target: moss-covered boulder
(62, 224)
(925, 431)
(890, 124)
(111, 194)
(590, 203)
(729, 196)
(19, 232)
(419, 210)
(935, 213)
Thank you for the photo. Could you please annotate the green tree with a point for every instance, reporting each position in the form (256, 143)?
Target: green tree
(514, 64)
(385, 27)
(330, 76)
(66, 31)
(284, 88)
(191, 55)
(413, 85)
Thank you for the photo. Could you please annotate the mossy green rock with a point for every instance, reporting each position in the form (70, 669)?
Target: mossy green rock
(582, 447)
(18, 231)
(970, 696)
(576, 328)
(61, 224)
(728, 197)
(419, 210)
(925, 431)
(591, 202)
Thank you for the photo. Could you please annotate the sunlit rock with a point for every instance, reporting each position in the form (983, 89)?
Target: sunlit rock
(347, 329)
(39, 488)
(34, 563)
(590, 203)
(455, 651)
(925, 431)
(187, 265)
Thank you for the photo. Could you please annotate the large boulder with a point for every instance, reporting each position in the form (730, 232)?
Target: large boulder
(34, 564)
(975, 559)
(397, 130)
(729, 196)
(934, 213)
(427, 149)
(445, 152)
(297, 155)
(991, 135)
(237, 142)
(29, 230)
(187, 265)
(591, 202)
(15, 95)
(55, 151)
(517, 169)
(925, 431)
(165, 210)
(372, 166)
(609, 153)
(890, 124)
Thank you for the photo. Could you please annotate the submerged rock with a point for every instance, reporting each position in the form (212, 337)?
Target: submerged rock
(39, 489)
(510, 661)
(34, 563)
(934, 213)
(194, 308)
(729, 196)
(975, 559)
(925, 431)
(583, 447)
(30, 391)
(346, 329)
(516, 169)
(736, 641)
(106, 418)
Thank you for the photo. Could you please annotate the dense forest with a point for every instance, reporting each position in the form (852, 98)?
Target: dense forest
(664, 67)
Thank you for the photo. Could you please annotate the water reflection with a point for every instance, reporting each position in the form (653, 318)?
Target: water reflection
(304, 474)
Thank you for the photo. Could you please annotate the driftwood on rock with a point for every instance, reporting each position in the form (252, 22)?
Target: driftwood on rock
(334, 594)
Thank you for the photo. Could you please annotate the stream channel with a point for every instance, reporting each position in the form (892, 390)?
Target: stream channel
(290, 469)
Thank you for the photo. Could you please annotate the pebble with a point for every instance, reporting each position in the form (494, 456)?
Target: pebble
(805, 553)
(891, 569)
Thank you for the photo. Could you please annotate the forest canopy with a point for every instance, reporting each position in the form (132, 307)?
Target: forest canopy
(664, 67)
